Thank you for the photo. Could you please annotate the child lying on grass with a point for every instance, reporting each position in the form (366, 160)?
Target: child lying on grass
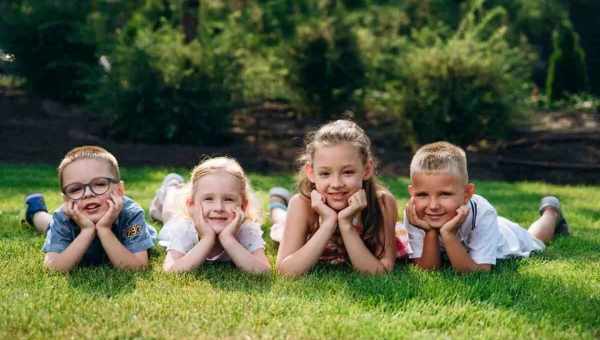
(213, 218)
(444, 215)
(96, 223)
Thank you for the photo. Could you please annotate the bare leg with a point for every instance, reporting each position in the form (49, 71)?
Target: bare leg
(174, 202)
(543, 227)
(41, 221)
(278, 216)
(157, 209)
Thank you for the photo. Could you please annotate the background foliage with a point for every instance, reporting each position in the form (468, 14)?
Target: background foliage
(458, 70)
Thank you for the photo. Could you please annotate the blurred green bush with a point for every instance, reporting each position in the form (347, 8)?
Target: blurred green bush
(51, 45)
(418, 69)
(162, 90)
(326, 68)
(463, 88)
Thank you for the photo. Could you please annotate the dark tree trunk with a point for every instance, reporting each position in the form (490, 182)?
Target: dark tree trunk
(189, 20)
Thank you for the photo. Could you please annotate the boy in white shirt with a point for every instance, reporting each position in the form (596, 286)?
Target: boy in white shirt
(445, 215)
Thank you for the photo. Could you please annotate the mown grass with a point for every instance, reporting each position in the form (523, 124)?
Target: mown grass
(552, 295)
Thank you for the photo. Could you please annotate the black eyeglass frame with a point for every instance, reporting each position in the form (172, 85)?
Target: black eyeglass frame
(88, 185)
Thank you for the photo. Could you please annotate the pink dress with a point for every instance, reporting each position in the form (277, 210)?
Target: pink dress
(335, 252)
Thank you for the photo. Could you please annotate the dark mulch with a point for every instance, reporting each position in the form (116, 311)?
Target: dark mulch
(561, 147)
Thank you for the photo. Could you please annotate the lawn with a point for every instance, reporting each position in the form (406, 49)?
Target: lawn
(552, 295)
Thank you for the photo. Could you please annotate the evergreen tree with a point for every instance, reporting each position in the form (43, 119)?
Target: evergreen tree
(567, 71)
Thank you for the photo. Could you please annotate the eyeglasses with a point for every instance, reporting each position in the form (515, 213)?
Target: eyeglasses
(97, 186)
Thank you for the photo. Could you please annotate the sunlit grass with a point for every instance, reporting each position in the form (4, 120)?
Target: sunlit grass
(552, 295)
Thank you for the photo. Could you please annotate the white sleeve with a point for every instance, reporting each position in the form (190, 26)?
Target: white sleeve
(416, 236)
(178, 234)
(250, 236)
(485, 238)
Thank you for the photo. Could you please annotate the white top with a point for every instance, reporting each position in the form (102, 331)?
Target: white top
(181, 235)
(488, 238)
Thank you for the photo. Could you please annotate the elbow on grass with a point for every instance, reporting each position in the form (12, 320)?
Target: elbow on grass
(134, 267)
(262, 269)
(426, 266)
(477, 268)
(51, 264)
(286, 272)
(171, 267)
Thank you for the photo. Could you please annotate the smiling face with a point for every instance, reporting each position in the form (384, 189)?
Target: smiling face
(216, 196)
(84, 171)
(337, 172)
(437, 195)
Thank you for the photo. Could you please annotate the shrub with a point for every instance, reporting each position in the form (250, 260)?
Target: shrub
(326, 69)
(52, 46)
(162, 90)
(567, 72)
(464, 88)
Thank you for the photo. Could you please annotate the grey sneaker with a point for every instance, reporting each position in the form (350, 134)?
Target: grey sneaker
(279, 198)
(562, 227)
(156, 205)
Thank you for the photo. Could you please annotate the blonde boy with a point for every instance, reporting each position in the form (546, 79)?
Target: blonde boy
(444, 215)
(96, 223)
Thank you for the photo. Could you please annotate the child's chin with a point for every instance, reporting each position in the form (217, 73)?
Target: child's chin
(337, 206)
(218, 227)
(437, 223)
(95, 217)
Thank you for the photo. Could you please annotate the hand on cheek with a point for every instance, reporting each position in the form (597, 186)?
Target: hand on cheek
(72, 211)
(234, 225)
(200, 223)
(455, 222)
(115, 205)
(317, 203)
(413, 217)
(356, 203)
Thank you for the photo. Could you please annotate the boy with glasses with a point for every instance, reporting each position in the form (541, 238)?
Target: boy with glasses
(97, 223)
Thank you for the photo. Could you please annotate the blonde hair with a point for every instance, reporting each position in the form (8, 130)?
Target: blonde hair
(335, 133)
(233, 168)
(440, 157)
(88, 152)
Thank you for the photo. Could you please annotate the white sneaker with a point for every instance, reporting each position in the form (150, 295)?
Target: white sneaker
(156, 206)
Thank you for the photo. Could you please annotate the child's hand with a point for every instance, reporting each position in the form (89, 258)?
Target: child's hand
(317, 203)
(453, 225)
(356, 203)
(115, 205)
(232, 228)
(202, 227)
(73, 212)
(413, 218)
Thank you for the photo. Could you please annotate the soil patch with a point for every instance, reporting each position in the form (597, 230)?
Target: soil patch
(558, 147)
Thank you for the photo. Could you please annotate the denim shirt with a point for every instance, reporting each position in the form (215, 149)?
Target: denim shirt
(130, 228)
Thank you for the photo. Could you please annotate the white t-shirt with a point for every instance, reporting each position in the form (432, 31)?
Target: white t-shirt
(487, 238)
(181, 235)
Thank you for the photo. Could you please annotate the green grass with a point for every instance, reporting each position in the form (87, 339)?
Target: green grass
(552, 295)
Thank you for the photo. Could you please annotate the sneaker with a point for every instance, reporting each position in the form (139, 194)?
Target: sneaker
(34, 203)
(279, 198)
(156, 206)
(562, 227)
